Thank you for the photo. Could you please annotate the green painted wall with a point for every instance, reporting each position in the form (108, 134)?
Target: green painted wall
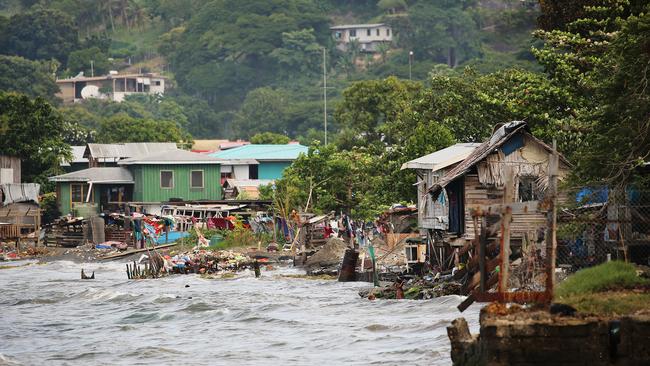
(63, 197)
(147, 183)
(272, 170)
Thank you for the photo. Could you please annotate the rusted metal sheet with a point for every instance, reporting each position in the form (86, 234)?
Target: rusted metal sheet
(522, 297)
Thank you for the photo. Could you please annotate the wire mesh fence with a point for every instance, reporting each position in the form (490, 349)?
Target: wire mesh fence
(590, 227)
(601, 225)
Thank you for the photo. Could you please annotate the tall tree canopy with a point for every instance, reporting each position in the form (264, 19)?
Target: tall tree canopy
(35, 132)
(598, 58)
(41, 34)
(227, 62)
(32, 78)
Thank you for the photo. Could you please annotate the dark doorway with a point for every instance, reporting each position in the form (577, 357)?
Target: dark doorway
(253, 171)
(78, 86)
(456, 195)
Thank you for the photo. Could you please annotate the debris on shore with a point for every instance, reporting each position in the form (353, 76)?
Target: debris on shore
(327, 259)
(419, 288)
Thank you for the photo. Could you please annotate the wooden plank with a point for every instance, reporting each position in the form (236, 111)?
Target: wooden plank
(506, 218)
(481, 253)
(473, 295)
(551, 238)
(515, 208)
(129, 252)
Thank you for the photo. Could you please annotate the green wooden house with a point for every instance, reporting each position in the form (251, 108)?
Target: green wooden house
(147, 180)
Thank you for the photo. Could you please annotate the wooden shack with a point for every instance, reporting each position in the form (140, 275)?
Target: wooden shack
(20, 215)
(480, 178)
(434, 214)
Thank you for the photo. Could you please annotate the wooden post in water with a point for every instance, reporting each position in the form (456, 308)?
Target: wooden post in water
(348, 266)
(551, 238)
(506, 217)
(481, 254)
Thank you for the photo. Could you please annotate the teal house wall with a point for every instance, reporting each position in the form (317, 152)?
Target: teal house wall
(272, 169)
(147, 182)
(64, 196)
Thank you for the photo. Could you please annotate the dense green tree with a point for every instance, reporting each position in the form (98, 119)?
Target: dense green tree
(81, 61)
(263, 110)
(270, 138)
(330, 180)
(32, 78)
(595, 58)
(124, 128)
(392, 6)
(78, 114)
(41, 34)
(443, 30)
(34, 131)
(470, 105)
(202, 120)
(620, 140)
(173, 12)
(299, 52)
(367, 105)
(227, 62)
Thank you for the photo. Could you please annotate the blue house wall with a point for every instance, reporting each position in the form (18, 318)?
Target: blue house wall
(272, 169)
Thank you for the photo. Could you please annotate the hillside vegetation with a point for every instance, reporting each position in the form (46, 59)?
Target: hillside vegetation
(575, 71)
(240, 67)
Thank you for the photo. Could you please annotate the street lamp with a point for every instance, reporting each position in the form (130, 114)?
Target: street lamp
(410, 63)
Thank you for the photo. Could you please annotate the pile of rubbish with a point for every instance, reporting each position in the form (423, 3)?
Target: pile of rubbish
(208, 262)
(154, 264)
(417, 288)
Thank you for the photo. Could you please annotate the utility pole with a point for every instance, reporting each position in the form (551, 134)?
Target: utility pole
(92, 68)
(410, 62)
(325, 91)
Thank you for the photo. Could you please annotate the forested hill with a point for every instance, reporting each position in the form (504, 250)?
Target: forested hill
(239, 67)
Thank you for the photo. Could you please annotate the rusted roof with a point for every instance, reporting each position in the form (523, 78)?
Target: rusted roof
(498, 138)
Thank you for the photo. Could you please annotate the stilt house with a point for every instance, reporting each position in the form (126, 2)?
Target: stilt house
(480, 179)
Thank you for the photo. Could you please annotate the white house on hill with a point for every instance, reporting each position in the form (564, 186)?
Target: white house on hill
(369, 36)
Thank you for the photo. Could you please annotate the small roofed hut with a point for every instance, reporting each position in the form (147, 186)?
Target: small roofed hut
(433, 214)
(480, 179)
(20, 214)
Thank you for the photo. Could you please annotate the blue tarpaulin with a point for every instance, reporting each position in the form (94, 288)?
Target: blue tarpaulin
(171, 237)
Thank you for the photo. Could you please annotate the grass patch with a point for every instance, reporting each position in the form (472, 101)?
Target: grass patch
(607, 276)
(610, 303)
(607, 289)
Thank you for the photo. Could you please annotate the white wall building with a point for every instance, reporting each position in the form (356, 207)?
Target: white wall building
(369, 36)
(113, 86)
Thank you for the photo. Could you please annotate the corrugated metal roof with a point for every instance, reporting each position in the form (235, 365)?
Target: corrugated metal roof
(263, 152)
(165, 157)
(127, 150)
(248, 182)
(498, 138)
(96, 175)
(356, 26)
(442, 158)
(77, 155)
(239, 162)
(108, 77)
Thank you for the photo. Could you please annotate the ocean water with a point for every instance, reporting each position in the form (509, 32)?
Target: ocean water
(48, 316)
